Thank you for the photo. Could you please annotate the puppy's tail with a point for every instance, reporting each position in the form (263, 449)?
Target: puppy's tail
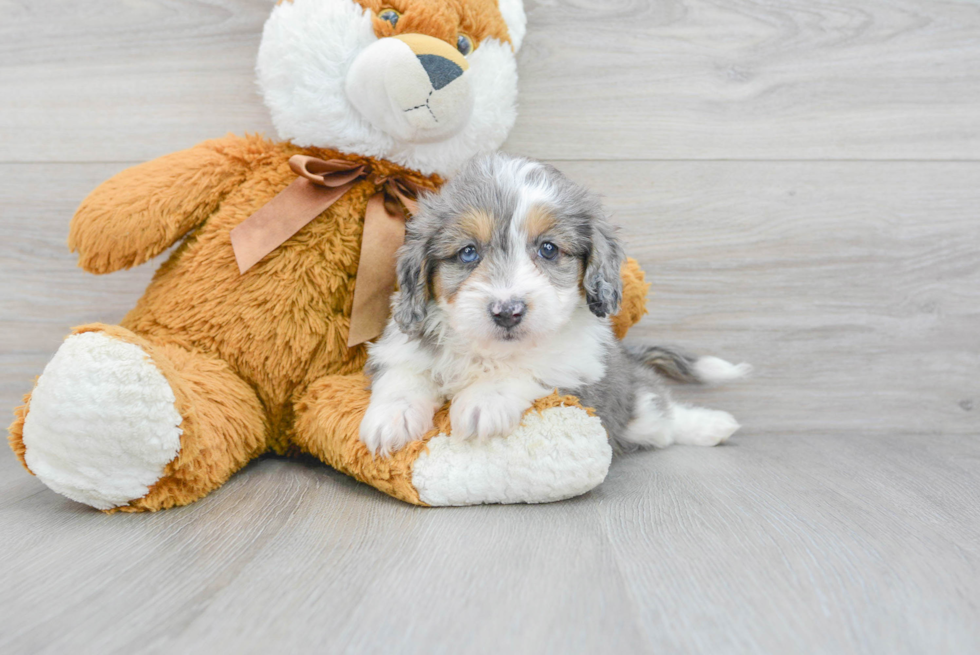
(684, 367)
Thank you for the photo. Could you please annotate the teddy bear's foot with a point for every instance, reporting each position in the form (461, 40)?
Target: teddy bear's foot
(117, 421)
(559, 451)
(102, 424)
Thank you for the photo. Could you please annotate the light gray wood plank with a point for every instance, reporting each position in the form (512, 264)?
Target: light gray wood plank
(853, 288)
(42, 292)
(776, 543)
(697, 79)
(845, 517)
(632, 79)
(126, 81)
(833, 544)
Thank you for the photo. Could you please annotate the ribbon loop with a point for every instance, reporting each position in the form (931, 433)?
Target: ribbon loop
(398, 190)
(319, 184)
(326, 172)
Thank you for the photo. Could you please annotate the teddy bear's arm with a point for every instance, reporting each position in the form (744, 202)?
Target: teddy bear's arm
(634, 302)
(143, 210)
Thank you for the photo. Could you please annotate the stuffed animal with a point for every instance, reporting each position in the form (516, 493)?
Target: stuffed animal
(244, 342)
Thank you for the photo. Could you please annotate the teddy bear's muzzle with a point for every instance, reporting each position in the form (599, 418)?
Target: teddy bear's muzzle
(413, 87)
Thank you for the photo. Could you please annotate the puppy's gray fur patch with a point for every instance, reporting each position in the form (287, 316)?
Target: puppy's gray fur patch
(476, 209)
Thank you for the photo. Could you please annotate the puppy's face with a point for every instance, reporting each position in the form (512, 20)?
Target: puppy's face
(505, 254)
(507, 278)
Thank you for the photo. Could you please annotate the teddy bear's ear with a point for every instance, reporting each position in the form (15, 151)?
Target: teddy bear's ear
(516, 19)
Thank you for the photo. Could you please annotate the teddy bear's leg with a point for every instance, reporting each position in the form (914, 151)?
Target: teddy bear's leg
(559, 451)
(117, 421)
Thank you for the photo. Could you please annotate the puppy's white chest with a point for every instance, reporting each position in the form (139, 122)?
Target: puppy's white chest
(570, 359)
(455, 372)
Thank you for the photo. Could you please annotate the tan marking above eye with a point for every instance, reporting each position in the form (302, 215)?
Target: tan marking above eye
(478, 224)
(538, 221)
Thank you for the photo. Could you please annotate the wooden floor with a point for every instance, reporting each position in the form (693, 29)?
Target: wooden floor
(801, 180)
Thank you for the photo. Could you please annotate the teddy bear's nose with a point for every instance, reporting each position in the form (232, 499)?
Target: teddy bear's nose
(440, 70)
(413, 87)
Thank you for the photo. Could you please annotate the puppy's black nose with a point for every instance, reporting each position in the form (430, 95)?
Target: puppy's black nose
(440, 70)
(508, 313)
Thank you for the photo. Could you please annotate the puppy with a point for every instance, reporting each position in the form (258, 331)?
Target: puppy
(507, 280)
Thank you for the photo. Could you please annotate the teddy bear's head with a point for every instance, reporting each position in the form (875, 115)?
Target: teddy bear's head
(424, 83)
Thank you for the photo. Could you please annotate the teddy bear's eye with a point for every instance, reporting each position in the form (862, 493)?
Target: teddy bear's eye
(390, 15)
(464, 44)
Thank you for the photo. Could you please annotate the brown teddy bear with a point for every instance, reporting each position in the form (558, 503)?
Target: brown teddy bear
(250, 337)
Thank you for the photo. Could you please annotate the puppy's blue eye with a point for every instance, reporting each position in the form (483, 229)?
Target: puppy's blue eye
(468, 255)
(548, 250)
(391, 16)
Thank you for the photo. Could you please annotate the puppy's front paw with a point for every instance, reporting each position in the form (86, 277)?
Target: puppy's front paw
(483, 414)
(390, 423)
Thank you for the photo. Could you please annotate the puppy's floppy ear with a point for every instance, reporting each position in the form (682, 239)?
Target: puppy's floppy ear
(409, 306)
(602, 281)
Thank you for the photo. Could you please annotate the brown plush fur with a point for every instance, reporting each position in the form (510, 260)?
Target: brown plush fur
(634, 304)
(258, 361)
(443, 19)
(15, 433)
(317, 416)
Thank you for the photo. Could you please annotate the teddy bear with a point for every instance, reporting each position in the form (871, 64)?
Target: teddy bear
(251, 337)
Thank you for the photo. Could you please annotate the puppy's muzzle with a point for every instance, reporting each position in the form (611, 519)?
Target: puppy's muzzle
(414, 87)
(507, 314)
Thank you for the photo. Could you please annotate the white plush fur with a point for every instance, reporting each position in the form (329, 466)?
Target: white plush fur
(102, 423)
(516, 19)
(557, 454)
(307, 50)
(389, 86)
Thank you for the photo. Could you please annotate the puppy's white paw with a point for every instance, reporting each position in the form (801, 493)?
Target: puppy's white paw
(477, 412)
(696, 426)
(391, 423)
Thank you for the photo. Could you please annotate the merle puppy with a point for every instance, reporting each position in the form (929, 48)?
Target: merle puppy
(506, 282)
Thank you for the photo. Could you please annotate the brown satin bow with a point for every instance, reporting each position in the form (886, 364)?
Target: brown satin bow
(320, 184)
